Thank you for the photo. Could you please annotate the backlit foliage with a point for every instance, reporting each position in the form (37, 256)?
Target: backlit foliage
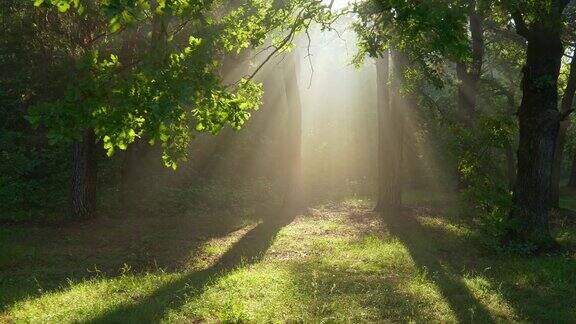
(172, 87)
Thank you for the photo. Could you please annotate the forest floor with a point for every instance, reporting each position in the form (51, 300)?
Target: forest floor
(337, 263)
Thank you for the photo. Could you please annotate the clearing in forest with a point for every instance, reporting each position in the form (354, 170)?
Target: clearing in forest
(338, 263)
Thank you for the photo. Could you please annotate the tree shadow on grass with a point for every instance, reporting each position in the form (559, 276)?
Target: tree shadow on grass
(427, 254)
(47, 258)
(535, 288)
(248, 250)
(541, 289)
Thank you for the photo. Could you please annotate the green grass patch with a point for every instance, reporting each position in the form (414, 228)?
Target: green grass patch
(338, 263)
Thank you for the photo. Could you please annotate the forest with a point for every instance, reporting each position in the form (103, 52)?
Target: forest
(287, 161)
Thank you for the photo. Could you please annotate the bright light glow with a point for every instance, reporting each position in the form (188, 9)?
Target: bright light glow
(338, 4)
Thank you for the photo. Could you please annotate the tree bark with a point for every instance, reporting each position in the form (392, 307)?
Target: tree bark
(572, 180)
(539, 122)
(293, 197)
(510, 165)
(565, 108)
(84, 173)
(390, 133)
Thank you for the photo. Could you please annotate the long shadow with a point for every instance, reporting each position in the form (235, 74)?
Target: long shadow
(536, 288)
(146, 241)
(248, 250)
(426, 254)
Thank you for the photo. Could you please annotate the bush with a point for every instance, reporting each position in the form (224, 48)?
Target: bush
(33, 179)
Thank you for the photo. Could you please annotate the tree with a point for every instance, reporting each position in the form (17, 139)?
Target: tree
(434, 31)
(565, 107)
(52, 45)
(382, 88)
(167, 93)
(84, 176)
(293, 194)
(416, 53)
(541, 24)
(469, 73)
(390, 132)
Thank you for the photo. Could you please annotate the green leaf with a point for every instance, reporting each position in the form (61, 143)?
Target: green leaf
(114, 24)
(194, 41)
(63, 6)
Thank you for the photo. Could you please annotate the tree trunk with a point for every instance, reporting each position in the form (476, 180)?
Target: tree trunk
(539, 122)
(159, 34)
(509, 148)
(294, 197)
(84, 172)
(572, 181)
(469, 77)
(510, 165)
(566, 107)
(390, 134)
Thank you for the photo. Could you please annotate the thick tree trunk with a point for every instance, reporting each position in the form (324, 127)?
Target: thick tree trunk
(83, 182)
(294, 196)
(539, 122)
(390, 134)
(566, 106)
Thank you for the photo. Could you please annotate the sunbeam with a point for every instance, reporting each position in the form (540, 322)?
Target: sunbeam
(287, 161)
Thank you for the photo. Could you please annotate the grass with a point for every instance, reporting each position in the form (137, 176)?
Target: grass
(337, 263)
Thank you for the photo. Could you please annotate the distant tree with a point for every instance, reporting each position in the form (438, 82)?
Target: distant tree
(173, 88)
(417, 52)
(49, 46)
(383, 101)
(434, 31)
(294, 191)
(469, 72)
(391, 106)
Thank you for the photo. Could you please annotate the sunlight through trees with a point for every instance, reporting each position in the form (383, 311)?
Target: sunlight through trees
(170, 161)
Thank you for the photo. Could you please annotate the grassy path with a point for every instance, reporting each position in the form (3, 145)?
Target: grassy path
(338, 263)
